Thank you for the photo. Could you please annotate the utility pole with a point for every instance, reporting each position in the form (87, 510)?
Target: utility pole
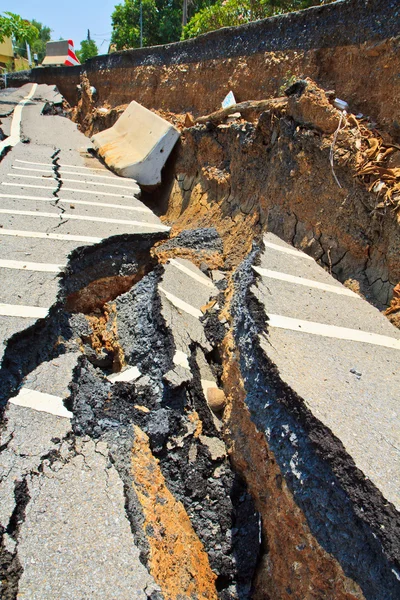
(141, 24)
(28, 53)
(88, 35)
(184, 13)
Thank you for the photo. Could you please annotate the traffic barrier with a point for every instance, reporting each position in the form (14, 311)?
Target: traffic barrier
(137, 145)
(60, 53)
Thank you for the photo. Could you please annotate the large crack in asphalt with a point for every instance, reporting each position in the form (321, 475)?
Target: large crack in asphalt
(339, 503)
(165, 410)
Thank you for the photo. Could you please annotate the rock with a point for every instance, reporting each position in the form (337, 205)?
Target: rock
(310, 106)
(189, 121)
(216, 399)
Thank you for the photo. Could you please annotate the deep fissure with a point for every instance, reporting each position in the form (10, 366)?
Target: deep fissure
(270, 504)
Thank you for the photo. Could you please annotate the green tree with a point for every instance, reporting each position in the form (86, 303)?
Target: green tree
(88, 49)
(14, 26)
(38, 46)
(230, 13)
(162, 21)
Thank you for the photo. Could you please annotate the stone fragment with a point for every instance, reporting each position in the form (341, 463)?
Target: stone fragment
(189, 121)
(310, 106)
(216, 399)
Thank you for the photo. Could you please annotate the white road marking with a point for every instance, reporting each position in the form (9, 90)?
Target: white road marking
(127, 375)
(181, 359)
(332, 331)
(26, 312)
(291, 251)
(306, 282)
(67, 189)
(28, 162)
(201, 278)
(143, 209)
(15, 131)
(181, 304)
(68, 216)
(52, 170)
(30, 266)
(41, 402)
(206, 385)
(81, 181)
(65, 237)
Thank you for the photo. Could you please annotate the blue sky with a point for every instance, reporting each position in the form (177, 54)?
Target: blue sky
(69, 19)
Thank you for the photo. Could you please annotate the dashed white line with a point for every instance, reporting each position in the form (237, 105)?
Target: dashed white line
(30, 266)
(81, 181)
(28, 162)
(41, 402)
(181, 304)
(201, 278)
(26, 312)
(68, 216)
(206, 384)
(64, 237)
(67, 189)
(127, 375)
(109, 177)
(292, 251)
(306, 282)
(181, 359)
(143, 209)
(332, 331)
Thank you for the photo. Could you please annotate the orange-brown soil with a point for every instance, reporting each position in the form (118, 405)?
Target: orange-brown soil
(177, 560)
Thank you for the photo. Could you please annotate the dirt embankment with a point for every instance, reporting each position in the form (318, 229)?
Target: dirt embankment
(364, 75)
(275, 173)
(322, 180)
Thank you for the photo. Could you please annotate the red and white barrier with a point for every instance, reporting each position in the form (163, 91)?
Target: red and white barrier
(72, 59)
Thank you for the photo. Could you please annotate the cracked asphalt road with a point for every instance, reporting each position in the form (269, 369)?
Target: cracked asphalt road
(62, 512)
(54, 197)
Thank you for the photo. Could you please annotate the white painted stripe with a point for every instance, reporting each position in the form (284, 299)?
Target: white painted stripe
(64, 237)
(332, 331)
(26, 312)
(67, 189)
(68, 216)
(306, 282)
(30, 266)
(15, 130)
(52, 170)
(41, 402)
(28, 162)
(206, 384)
(81, 181)
(197, 276)
(127, 375)
(181, 359)
(143, 209)
(181, 304)
(291, 251)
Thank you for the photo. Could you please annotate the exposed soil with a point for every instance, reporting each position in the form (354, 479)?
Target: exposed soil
(208, 501)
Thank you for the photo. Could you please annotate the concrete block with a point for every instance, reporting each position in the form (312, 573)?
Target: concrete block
(138, 145)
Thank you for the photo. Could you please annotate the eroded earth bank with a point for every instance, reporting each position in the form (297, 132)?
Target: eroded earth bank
(252, 465)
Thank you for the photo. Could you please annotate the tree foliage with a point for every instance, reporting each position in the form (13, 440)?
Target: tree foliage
(38, 46)
(88, 50)
(14, 26)
(230, 13)
(162, 21)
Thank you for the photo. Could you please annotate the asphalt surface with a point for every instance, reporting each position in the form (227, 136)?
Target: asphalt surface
(51, 186)
(339, 354)
(73, 539)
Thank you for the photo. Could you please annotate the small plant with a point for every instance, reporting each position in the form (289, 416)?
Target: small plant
(287, 81)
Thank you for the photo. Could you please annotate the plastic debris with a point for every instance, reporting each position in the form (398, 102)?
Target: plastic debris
(229, 100)
(341, 105)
